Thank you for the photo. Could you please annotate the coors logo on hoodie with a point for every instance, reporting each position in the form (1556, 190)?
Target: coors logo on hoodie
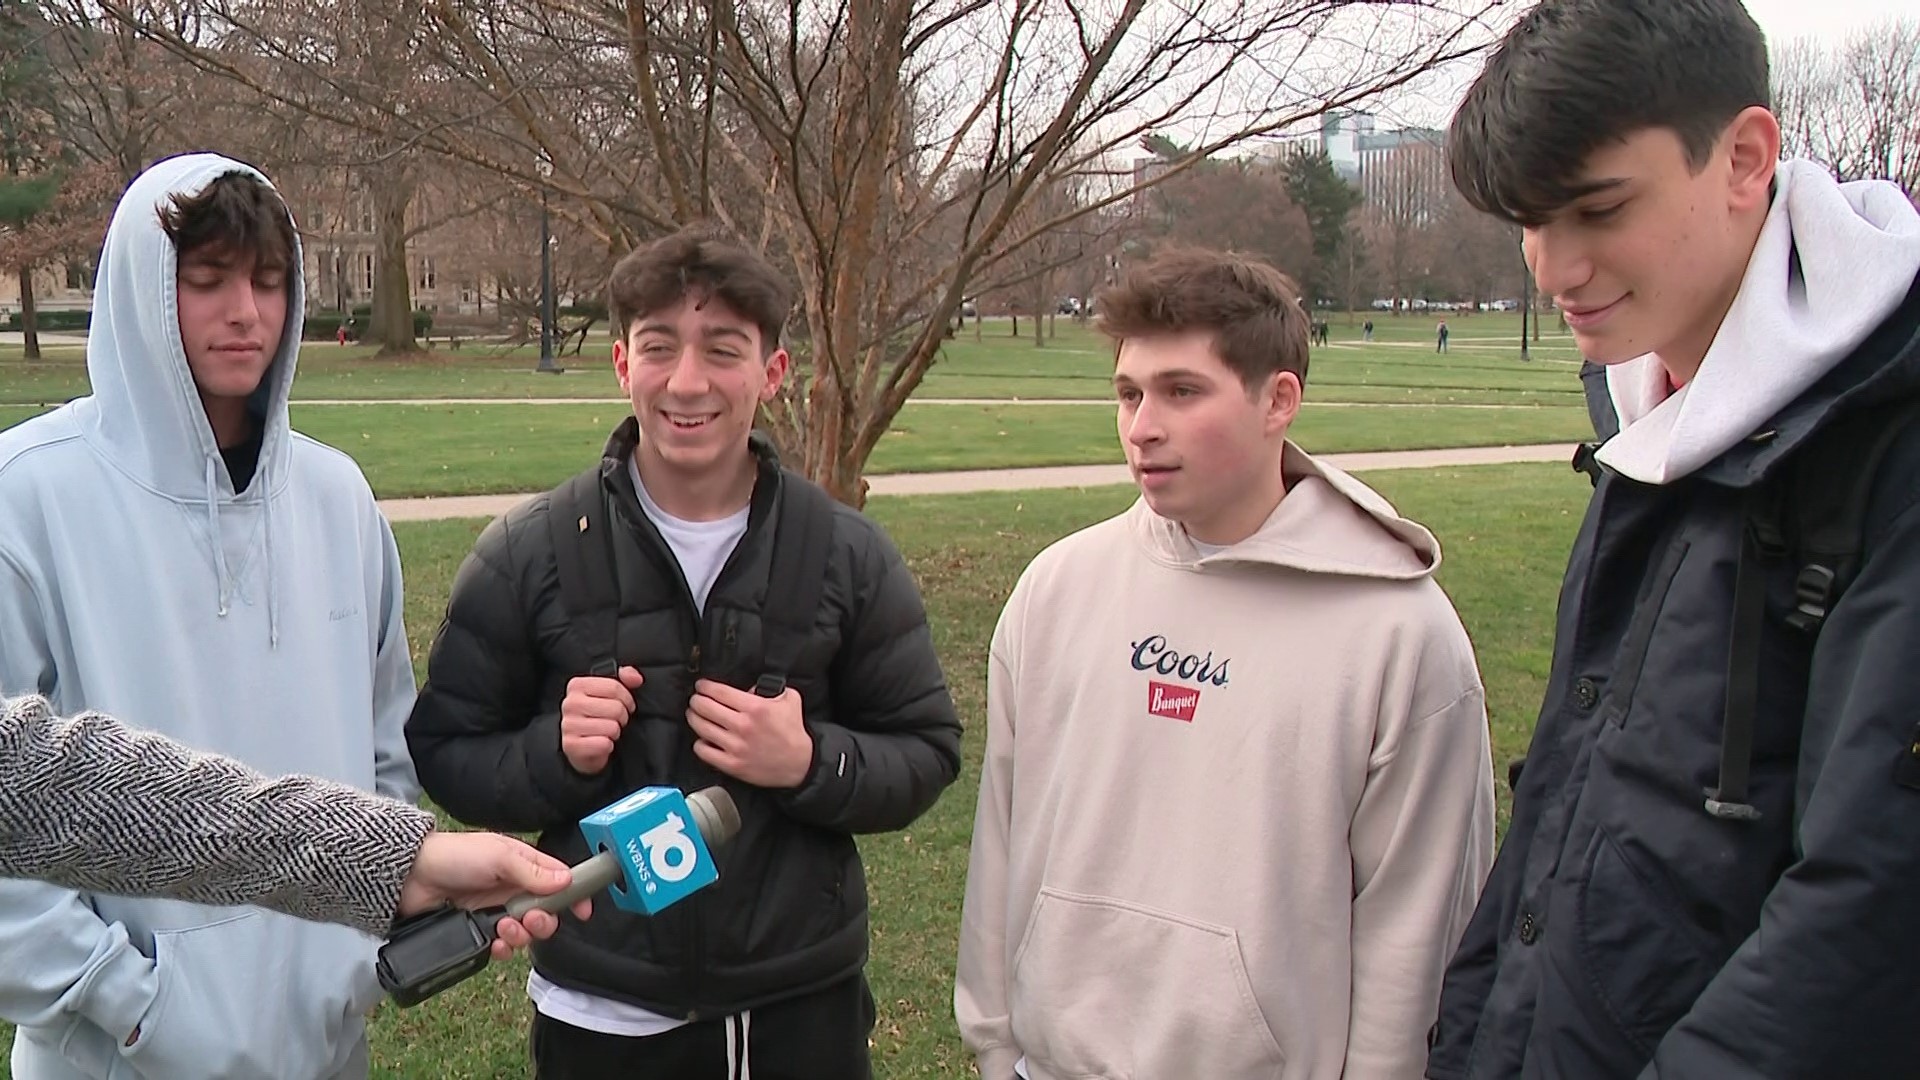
(1173, 700)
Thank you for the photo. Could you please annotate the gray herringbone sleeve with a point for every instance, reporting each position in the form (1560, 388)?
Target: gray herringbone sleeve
(90, 804)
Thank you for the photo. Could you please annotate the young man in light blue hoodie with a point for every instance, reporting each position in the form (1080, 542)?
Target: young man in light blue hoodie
(172, 553)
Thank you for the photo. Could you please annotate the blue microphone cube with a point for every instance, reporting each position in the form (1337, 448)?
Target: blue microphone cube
(662, 854)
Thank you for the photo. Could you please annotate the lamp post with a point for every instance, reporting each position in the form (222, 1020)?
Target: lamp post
(1526, 302)
(546, 275)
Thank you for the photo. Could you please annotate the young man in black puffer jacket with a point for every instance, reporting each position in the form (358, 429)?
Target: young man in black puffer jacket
(525, 724)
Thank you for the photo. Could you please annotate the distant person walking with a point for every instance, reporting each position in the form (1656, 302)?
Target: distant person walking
(1440, 345)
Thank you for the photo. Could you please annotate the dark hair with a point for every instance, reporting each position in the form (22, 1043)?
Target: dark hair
(1252, 309)
(700, 257)
(1575, 75)
(237, 214)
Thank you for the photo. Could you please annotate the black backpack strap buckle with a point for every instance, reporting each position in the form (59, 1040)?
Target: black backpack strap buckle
(1586, 460)
(1812, 594)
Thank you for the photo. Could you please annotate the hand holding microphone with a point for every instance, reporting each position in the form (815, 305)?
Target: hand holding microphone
(650, 848)
(483, 869)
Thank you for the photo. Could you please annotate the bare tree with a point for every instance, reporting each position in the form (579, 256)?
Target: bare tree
(1352, 274)
(1855, 107)
(890, 154)
(55, 196)
(1236, 205)
(1406, 192)
(360, 68)
(121, 101)
(55, 216)
(1476, 254)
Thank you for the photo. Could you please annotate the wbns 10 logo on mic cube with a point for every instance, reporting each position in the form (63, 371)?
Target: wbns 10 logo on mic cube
(653, 833)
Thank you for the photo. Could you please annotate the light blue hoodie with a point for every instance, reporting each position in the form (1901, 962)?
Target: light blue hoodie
(266, 626)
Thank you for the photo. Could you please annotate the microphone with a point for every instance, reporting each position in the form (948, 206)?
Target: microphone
(651, 849)
(644, 853)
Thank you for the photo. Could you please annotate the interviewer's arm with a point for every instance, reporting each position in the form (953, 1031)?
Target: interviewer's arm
(89, 804)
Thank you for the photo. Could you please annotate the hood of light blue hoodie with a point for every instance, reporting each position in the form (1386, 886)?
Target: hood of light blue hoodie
(148, 414)
(145, 413)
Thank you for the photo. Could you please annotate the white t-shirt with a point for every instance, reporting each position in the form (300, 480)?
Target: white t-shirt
(1205, 550)
(701, 548)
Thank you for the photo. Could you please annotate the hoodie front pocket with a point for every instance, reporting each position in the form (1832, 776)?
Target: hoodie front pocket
(253, 995)
(1104, 988)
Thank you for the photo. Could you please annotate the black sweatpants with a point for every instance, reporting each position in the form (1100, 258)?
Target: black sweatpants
(820, 1036)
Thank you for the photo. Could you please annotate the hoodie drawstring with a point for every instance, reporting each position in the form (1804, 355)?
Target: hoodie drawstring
(273, 579)
(218, 540)
(215, 538)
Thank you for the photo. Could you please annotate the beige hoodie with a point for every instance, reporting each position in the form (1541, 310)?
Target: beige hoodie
(1235, 811)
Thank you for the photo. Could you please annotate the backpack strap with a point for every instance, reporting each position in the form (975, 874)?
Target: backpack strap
(1827, 512)
(1727, 800)
(581, 525)
(1814, 514)
(796, 575)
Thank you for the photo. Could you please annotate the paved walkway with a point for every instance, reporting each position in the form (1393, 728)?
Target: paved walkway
(1059, 476)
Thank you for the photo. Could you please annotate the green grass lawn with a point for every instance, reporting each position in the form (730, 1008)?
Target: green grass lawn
(413, 450)
(1482, 367)
(1505, 531)
(329, 371)
(1049, 388)
(1399, 366)
(420, 450)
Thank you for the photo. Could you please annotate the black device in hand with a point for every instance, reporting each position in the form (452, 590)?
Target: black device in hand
(434, 950)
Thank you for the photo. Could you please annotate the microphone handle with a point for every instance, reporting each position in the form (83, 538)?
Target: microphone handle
(588, 878)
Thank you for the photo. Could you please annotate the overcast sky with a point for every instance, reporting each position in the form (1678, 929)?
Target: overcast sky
(1825, 19)
(1782, 20)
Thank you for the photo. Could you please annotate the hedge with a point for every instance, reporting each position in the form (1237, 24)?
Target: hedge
(325, 325)
(51, 321)
(321, 326)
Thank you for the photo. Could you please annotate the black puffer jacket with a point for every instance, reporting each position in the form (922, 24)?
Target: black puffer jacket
(1626, 931)
(789, 913)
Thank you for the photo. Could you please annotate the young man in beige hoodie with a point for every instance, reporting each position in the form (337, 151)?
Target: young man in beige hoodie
(1237, 802)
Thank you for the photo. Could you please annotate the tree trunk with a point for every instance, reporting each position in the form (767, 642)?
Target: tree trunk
(843, 480)
(864, 130)
(29, 314)
(1053, 306)
(391, 324)
(131, 155)
(1040, 311)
